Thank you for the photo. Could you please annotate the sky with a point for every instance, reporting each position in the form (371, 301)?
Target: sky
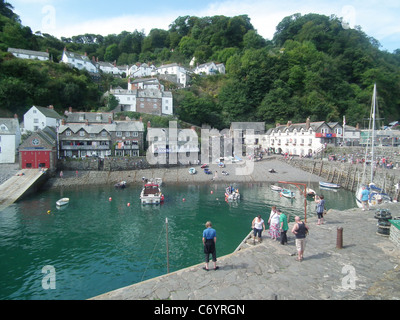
(379, 19)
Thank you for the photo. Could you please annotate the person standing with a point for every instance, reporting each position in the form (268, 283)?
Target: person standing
(273, 222)
(258, 227)
(300, 229)
(365, 198)
(283, 227)
(209, 241)
(320, 208)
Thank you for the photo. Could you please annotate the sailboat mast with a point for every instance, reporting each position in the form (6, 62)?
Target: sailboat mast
(373, 117)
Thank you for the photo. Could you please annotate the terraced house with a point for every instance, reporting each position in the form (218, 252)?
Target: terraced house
(87, 134)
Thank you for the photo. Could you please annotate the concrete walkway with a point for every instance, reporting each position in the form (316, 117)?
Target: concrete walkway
(368, 267)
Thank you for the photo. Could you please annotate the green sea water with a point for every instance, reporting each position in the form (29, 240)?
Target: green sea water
(95, 245)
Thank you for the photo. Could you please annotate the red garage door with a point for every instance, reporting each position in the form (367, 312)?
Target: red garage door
(35, 159)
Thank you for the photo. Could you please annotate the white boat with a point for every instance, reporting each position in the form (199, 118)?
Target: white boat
(310, 192)
(329, 185)
(62, 202)
(151, 194)
(192, 171)
(158, 181)
(276, 188)
(376, 195)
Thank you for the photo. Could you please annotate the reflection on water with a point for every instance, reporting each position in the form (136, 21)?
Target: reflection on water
(97, 245)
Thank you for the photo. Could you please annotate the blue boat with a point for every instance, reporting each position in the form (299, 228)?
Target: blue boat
(287, 193)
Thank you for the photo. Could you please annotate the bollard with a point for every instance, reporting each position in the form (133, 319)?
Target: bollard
(339, 239)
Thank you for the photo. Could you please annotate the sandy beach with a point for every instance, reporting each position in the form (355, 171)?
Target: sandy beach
(238, 172)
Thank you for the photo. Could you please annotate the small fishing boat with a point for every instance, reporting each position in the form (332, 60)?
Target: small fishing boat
(207, 171)
(232, 194)
(276, 188)
(287, 193)
(329, 185)
(151, 194)
(121, 184)
(310, 192)
(192, 171)
(62, 202)
(225, 173)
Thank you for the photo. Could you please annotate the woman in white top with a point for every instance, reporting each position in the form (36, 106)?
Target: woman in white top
(258, 226)
(273, 221)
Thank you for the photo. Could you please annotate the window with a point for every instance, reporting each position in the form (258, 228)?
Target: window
(35, 120)
(142, 105)
(104, 133)
(81, 133)
(119, 133)
(135, 134)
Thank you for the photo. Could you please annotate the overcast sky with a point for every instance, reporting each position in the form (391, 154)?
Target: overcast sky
(65, 18)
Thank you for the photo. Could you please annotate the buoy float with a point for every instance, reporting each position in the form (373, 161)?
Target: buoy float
(128, 204)
(212, 192)
(109, 199)
(48, 212)
(183, 199)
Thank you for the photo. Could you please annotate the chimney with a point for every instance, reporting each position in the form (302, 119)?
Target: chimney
(51, 107)
(63, 122)
(15, 116)
(141, 119)
(87, 122)
(85, 54)
(289, 123)
(109, 120)
(70, 109)
(308, 124)
(358, 126)
(277, 125)
(148, 124)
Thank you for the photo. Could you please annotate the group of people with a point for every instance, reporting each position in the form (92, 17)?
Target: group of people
(278, 227)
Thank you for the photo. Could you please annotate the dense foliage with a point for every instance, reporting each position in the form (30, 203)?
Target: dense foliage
(313, 67)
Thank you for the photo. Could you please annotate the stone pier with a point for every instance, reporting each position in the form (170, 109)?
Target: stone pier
(367, 267)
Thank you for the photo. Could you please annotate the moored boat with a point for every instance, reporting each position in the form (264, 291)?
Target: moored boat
(329, 185)
(121, 184)
(192, 171)
(151, 194)
(287, 193)
(232, 194)
(276, 188)
(62, 202)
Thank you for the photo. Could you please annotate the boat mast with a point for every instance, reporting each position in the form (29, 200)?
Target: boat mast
(373, 116)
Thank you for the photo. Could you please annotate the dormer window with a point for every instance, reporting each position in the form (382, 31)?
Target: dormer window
(81, 117)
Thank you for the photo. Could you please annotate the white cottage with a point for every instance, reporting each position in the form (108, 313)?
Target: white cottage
(303, 139)
(10, 138)
(79, 61)
(29, 54)
(37, 118)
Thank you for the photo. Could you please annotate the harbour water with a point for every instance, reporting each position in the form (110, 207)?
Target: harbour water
(99, 243)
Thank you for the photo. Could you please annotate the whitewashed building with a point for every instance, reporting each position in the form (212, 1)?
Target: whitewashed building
(140, 70)
(210, 68)
(81, 62)
(145, 96)
(29, 54)
(10, 138)
(303, 139)
(181, 74)
(37, 118)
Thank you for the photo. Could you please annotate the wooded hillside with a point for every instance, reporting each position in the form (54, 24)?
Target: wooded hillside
(313, 67)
